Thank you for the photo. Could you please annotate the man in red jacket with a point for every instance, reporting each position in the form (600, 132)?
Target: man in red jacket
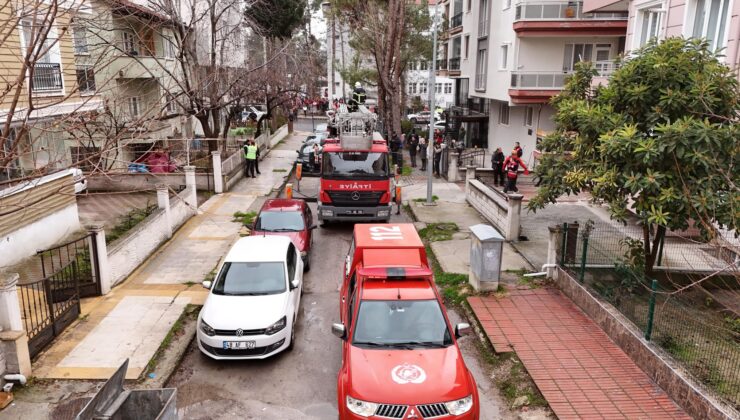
(511, 168)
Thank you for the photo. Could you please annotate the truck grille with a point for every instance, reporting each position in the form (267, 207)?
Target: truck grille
(429, 411)
(391, 411)
(365, 199)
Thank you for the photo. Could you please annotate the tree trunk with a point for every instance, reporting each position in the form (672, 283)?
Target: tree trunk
(651, 249)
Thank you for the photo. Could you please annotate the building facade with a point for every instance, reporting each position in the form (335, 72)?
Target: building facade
(509, 58)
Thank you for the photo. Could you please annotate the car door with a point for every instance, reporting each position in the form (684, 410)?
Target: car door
(295, 271)
(308, 221)
(346, 296)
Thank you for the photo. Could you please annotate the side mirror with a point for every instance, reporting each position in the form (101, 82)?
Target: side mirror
(207, 284)
(312, 227)
(462, 329)
(339, 330)
(294, 284)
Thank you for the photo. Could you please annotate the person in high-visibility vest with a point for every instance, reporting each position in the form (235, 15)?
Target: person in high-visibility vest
(250, 154)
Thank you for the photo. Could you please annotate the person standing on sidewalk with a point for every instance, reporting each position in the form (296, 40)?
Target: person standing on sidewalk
(423, 153)
(437, 157)
(250, 154)
(511, 166)
(519, 150)
(413, 148)
(497, 164)
(257, 159)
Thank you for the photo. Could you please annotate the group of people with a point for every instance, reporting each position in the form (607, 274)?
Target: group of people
(418, 146)
(506, 168)
(252, 157)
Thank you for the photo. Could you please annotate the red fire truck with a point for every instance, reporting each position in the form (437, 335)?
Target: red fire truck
(355, 173)
(400, 357)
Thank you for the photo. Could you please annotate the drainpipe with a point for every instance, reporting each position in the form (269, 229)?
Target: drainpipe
(541, 273)
(17, 377)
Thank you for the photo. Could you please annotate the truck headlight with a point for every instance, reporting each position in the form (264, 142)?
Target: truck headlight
(327, 213)
(361, 408)
(461, 406)
(384, 213)
(276, 327)
(207, 329)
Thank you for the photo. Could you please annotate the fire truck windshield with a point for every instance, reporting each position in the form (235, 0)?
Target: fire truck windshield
(356, 165)
(401, 323)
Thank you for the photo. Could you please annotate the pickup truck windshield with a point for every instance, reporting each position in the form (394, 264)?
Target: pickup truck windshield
(355, 165)
(401, 324)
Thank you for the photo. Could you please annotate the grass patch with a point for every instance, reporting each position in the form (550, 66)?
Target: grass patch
(279, 170)
(454, 287)
(515, 383)
(423, 200)
(128, 221)
(434, 232)
(406, 171)
(190, 312)
(245, 218)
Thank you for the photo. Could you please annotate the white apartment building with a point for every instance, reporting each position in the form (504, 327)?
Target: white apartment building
(510, 57)
(418, 86)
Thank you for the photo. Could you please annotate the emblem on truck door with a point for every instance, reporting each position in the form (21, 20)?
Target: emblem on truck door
(355, 195)
(408, 374)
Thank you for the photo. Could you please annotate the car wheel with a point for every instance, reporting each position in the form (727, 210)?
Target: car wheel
(307, 265)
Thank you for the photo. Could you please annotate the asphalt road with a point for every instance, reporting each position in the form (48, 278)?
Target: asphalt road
(300, 384)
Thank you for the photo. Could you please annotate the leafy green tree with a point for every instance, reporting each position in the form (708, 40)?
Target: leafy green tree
(276, 18)
(660, 140)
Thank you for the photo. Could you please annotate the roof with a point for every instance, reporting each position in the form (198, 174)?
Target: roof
(259, 249)
(129, 8)
(414, 289)
(283, 204)
(387, 236)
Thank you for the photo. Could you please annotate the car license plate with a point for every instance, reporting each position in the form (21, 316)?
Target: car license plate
(353, 212)
(239, 345)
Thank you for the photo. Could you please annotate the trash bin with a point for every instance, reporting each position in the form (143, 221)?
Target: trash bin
(486, 251)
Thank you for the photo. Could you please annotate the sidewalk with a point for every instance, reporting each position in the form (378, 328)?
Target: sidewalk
(578, 369)
(133, 320)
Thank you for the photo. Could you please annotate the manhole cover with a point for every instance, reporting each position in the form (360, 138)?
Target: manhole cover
(68, 410)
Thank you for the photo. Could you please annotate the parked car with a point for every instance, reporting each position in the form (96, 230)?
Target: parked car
(321, 128)
(253, 303)
(422, 117)
(255, 112)
(291, 218)
(306, 158)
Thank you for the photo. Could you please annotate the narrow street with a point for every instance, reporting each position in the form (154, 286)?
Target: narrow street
(300, 384)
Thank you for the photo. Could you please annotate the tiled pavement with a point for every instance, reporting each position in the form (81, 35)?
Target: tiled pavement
(578, 369)
(133, 319)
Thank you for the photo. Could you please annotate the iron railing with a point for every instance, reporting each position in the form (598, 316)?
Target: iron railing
(561, 11)
(46, 77)
(442, 64)
(456, 21)
(454, 63)
(472, 157)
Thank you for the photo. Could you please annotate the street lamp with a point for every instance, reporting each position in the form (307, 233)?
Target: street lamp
(432, 92)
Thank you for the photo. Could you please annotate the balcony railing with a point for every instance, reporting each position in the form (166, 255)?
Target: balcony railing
(454, 64)
(561, 11)
(441, 64)
(46, 77)
(606, 68)
(538, 80)
(456, 21)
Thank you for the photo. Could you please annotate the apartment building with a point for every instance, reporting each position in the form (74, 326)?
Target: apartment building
(42, 98)
(718, 21)
(418, 86)
(510, 57)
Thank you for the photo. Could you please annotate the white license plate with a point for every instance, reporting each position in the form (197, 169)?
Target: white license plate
(355, 212)
(239, 345)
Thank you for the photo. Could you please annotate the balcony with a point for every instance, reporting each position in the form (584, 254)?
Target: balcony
(454, 64)
(532, 87)
(542, 18)
(442, 64)
(47, 77)
(456, 23)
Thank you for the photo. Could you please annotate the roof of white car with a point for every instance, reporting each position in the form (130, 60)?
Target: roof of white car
(258, 249)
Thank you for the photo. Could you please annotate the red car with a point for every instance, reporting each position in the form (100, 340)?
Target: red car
(400, 358)
(291, 218)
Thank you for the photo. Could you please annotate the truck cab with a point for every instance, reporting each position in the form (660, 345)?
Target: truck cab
(400, 358)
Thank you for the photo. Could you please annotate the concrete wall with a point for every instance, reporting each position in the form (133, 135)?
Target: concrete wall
(502, 211)
(278, 135)
(130, 251)
(505, 135)
(41, 234)
(655, 362)
(136, 181)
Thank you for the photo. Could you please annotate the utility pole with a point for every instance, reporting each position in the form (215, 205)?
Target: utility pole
(432, 85)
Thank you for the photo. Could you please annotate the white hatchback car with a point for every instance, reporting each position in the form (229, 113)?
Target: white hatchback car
(252, 307)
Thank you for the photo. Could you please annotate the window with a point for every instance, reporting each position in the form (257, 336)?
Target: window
(465, 46)
(575, 53)
(128, 43)
(85, 158)
(352, 302)
(359, 165)
(79, 35)
(401, 323)
(504, 64)
(423, 65)
(171, 104)
(423, 87)
(412, 87)
(438, 88)
(31, 32)
(134, 106)
(250, 278)
(470, 5)
(291, 260)
(169, 48)
(649, 26)
(481, 67)
(710, 21)
(448, 87)
(503, 113)
(483, 19)
(412, 65)
(528, 116)
(86, 79)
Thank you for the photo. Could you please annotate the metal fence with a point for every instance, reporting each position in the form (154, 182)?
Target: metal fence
(687, 305)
